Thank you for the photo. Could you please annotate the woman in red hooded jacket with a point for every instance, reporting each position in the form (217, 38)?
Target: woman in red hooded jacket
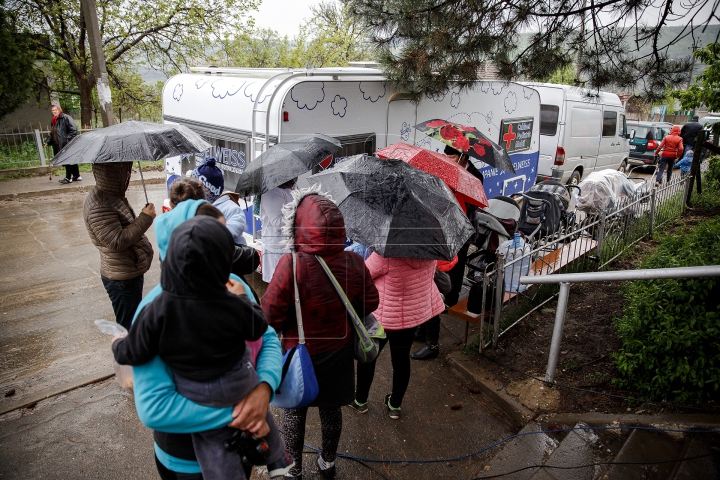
(315, 227)
(670, 150)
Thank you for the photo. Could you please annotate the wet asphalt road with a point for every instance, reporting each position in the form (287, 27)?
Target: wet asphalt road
(50, 293)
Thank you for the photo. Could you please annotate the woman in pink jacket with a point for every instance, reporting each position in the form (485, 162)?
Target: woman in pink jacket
(408, 298)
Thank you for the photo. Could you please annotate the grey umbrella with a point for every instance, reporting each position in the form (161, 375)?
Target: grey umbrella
(396, 209)
(131, 141)
(284, 161)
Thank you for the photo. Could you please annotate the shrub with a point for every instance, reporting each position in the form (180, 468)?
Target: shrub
(670, 331)
(712, 176)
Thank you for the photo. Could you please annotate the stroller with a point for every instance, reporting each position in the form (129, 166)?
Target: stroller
(606, 190)
(493, 225)
(545, 209)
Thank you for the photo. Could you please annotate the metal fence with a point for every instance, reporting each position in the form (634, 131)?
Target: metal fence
(588, 243)
(25, 148)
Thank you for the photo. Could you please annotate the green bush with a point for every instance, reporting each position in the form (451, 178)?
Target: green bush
(670, 331)
(712, 176)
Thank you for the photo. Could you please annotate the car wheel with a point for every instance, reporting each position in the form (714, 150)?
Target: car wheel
(623, 167)
(574, 178)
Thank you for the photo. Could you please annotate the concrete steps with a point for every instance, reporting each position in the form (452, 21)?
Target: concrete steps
(616, 454)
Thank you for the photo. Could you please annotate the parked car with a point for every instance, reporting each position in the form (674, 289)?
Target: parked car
(707, 123)
(644, 139)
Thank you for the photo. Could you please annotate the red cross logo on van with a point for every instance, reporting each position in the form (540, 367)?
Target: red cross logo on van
(326, 162)
(509, 137)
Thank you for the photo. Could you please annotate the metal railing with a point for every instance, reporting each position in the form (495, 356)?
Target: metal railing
(26, 148)
(565, 280)
(590, 242)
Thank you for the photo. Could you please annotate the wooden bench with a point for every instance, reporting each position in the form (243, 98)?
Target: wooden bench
(545, 265)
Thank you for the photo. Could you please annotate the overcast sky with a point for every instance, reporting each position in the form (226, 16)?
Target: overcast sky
(284, 16)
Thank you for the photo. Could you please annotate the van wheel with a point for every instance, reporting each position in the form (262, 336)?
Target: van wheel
(623, 167)
(575, 178)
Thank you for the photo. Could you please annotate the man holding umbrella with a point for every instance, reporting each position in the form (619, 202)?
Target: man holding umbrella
(125, 251)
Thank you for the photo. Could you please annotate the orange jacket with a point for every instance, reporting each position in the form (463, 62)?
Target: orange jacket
(672, 145)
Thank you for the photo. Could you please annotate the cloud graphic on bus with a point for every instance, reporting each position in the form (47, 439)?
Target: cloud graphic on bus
(437, 97)
(423, 142)
(455, 100)
(511, 102)
(201, 83)
(178, 91)
(405, 132)
(339, 106)
(485, 87)
(528, 93)
(226, 87)
(307, 98)
(495, 90)
(371, 91)
(252, 93)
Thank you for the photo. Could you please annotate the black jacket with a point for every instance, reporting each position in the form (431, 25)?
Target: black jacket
(689, 131)
(197, 327)
(61, 133)
(472, 169)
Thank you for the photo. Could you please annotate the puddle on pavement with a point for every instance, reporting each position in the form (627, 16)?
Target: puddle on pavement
(22, 356)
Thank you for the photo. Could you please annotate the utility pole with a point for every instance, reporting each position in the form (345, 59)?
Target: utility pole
(98, 59)
(582, 40)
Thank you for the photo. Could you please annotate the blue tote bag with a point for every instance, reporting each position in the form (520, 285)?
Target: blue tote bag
(298, 386)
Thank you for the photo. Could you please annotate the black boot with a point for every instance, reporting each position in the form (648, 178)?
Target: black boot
(428, 352)
(419, 334)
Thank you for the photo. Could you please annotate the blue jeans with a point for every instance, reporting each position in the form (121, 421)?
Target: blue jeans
(125, 296)
(662, 163)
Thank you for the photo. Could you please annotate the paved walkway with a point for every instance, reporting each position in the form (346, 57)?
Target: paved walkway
(48, 185)
(50, 294)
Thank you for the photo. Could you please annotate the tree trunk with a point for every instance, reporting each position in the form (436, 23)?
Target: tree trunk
(86, 106)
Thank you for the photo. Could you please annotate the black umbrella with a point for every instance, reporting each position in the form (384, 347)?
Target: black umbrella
(396, 209)
(284, 161)
(130, 141)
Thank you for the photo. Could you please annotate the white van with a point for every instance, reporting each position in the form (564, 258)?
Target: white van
(243, 111)
(580, 132)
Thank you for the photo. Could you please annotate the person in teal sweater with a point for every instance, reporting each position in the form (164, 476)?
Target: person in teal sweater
(172, 416)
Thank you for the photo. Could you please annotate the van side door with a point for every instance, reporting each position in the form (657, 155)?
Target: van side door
(609, 142)
(582, 138)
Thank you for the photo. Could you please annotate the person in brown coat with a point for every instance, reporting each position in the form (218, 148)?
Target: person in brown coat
(125, 251)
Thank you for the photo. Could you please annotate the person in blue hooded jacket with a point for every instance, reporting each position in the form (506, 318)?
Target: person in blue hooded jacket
(172, 416)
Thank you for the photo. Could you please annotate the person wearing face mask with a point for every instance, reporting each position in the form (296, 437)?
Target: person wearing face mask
(125, 251)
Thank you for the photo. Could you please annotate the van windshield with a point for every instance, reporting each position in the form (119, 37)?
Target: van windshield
(549, 119)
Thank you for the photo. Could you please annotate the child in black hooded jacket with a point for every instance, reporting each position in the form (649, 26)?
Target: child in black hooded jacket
(199, 328)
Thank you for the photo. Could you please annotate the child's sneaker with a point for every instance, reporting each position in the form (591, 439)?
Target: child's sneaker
(282, 466)
(359, 407)
(393, 412)
(327, 469)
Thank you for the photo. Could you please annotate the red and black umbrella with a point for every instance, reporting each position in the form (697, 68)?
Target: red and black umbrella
(467, 140)
(465, 186)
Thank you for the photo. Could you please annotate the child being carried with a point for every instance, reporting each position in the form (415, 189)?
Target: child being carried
(198, 326)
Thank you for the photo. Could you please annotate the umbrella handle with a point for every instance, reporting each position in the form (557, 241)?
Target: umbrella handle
(147, 202)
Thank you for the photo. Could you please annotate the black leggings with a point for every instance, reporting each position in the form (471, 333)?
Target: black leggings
(400, 345)
(72, 171)
(431, 329)
(294, 433)
(456, 276)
